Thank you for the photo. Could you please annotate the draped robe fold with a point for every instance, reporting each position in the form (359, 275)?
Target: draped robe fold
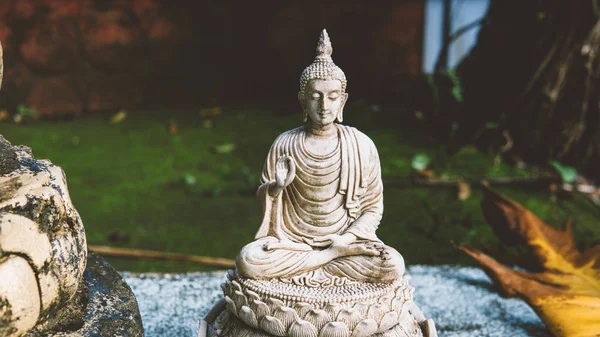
(337, 193)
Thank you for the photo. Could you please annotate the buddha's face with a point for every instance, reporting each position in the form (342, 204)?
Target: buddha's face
(323, 101)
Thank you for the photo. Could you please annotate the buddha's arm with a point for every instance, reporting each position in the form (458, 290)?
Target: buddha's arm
(371, 209)
(277, 172)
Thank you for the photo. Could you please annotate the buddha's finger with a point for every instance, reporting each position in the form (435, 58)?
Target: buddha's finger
(329, 238)
(371, 251)
(321, 243)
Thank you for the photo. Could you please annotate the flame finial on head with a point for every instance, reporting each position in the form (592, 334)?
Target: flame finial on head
(324, 49)
(323, 67)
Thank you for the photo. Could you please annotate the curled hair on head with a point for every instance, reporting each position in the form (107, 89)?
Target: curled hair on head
(322, 67)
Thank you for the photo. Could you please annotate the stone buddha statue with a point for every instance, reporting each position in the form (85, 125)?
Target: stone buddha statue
(316, 267)
(322, 194)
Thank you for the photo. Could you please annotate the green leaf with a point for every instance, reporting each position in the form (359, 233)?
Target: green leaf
(457, 90)
(225, 148)
(568, 174)
(24, 111)
(420, 161)
(189, 179)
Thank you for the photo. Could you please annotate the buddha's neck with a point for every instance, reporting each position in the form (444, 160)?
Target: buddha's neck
(321, 131)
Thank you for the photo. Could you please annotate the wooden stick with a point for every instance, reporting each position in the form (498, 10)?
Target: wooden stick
(156, 255)
(433, 182)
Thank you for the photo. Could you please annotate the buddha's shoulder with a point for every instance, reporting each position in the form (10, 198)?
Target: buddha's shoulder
(360, 136)
(287, 136)
(289, 133)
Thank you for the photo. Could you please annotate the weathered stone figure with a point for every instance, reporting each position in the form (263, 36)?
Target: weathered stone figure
(322, 194)
(316, 267)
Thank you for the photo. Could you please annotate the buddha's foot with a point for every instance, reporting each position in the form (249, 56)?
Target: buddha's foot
(275, 308)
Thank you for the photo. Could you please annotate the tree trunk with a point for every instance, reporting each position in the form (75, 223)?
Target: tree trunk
(534, 72)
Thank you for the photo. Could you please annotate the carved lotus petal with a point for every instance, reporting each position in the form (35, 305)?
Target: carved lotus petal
(318, 318)
(247, 315)
(386, 299)
(404, 310)
(303, 308)
(231, 305)
(260, 308)
(398, 304)
(350, 317)
(333, 309)
(362, 308)
(334, 329)
(388, 321)
(286, 315)
(240, 299)
(408, 293)
(274, 303)
(252, 295)
(302, 328)
(400, 291)
(272, 325)
(236, 285)
(365, 328)
(376, 311)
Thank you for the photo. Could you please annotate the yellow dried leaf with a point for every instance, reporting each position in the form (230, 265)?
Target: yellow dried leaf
(4, 115)
(210, 112)
(566, 292)
(464, 190)
(118, 117)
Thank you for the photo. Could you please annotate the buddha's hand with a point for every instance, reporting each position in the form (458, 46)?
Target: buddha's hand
(285, 172)
(346, 245)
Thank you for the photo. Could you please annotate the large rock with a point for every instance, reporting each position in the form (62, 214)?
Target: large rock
(103, 306)
(45, 287)
(43, 248)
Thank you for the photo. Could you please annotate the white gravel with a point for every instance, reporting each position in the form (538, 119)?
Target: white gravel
(461, 300)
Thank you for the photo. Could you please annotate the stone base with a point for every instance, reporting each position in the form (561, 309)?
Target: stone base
(228, 325)
(257, 308)
(103, 306)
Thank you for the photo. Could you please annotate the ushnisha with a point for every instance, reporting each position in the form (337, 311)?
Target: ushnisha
(317, 267)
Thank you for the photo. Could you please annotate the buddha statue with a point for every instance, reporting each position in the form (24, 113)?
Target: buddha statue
(316, 267)
(322, 194)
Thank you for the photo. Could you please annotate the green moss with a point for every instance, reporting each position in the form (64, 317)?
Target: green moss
(174, 193)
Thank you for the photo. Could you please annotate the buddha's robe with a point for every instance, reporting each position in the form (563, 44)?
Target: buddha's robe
(337, 193)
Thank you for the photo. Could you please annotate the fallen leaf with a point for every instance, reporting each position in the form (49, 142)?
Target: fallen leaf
(568, 174)
(565, 292)
(4, 115)
(225, 148)
(118, 117)
(173, 127)
(464, 190)
(211, 112)
(189, 179)
(24, 111)
(420, 161)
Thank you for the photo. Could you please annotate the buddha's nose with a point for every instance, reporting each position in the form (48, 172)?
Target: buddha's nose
(324, 105)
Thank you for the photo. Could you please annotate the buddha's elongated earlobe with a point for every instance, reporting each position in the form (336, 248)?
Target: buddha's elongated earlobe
(340, 116)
